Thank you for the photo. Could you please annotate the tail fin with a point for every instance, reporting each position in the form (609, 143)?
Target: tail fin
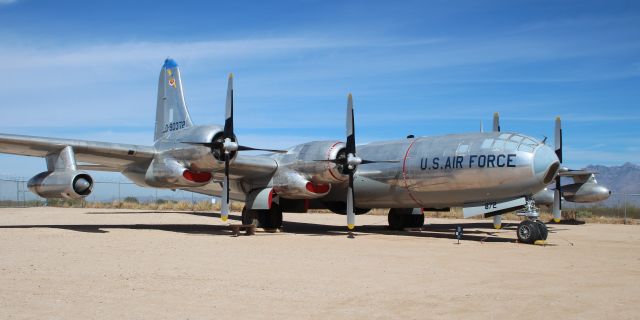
(171, 111)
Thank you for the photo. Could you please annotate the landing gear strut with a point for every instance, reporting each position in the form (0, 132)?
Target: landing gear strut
(400, 218)
(267, 219)
(531, 230)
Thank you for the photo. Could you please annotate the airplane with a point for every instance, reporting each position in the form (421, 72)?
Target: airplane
(584, 189)
(486, 173)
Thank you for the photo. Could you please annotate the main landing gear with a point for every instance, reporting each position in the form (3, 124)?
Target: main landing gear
(531, 230)
(267, 219)
(401, 218)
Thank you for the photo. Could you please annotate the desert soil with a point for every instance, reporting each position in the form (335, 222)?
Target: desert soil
(111, 264)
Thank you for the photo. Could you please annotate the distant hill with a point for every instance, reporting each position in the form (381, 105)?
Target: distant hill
(619, 179)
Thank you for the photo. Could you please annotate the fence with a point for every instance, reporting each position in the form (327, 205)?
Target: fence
(14, 193)
(619, 205)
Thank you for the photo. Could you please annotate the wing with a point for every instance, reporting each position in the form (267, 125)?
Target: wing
(578, 176)
(90, 155)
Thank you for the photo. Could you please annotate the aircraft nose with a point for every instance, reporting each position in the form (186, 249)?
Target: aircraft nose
(545, 164)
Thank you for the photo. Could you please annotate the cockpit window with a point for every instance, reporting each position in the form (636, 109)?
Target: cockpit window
(510, 146)
(498, 145)
(516, 138)
(504, 136)
(526, 147)
(530, 142)
(462, 149)
(486, 144)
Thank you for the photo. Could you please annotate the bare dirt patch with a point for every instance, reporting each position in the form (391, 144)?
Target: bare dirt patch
(105, 263)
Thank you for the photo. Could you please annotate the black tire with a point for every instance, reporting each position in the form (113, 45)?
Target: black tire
(396, 220)
(542, 230)
(528, 232)
(417, 220)
(249, 216)
(270, 219)
(400, 218)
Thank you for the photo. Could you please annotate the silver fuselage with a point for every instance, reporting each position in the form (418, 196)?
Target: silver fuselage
(430, 172)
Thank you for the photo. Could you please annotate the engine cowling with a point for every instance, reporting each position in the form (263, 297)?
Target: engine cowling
(585, 192)
(305, 161)
(61, 184)
(292, 185)
(169, 173)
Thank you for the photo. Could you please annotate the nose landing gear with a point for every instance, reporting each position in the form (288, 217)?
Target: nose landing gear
(531, 230)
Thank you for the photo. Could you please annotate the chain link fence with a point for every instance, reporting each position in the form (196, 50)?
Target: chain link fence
(624, 206)
(14, 193)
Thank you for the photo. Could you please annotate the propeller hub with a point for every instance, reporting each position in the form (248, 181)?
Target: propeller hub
(229, 145)
(353, 161)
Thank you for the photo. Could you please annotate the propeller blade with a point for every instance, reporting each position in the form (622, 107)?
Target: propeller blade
(213, 144)
(337, 161)
(351, 132)
(350, 148)
(497, 221)
(228, 121)
(558, 138)
(351, 217)
(379, 161)
(224, 207)
(557, 201)
(245, 148)
(496, 122)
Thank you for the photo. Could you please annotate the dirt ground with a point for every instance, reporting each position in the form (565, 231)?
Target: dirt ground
(101, 263)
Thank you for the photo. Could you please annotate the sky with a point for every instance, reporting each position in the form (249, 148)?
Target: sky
(89, 70)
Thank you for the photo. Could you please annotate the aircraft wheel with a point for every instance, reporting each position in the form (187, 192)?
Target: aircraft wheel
(528, 232)
(542, 229)
(396, 219)
(249, 216)
(270, 219)
(416, 220)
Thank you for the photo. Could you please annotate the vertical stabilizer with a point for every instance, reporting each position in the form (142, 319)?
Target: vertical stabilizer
(171, 111)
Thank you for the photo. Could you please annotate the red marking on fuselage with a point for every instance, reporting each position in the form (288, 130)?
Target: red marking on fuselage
(404, 174)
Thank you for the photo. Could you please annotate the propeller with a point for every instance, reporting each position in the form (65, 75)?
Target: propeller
(496, 122)
(557, 194)
(351, 161)
(225, 146)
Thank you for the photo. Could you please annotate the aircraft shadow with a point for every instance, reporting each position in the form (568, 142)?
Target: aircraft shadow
(473, 231)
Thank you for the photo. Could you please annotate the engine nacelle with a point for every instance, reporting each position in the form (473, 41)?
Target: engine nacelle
(304, 159)
(292, 185)
(544, 197)
(169, 173)
(61, 184)
(585, 192)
